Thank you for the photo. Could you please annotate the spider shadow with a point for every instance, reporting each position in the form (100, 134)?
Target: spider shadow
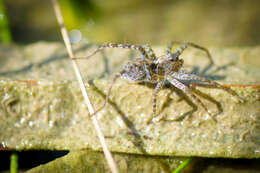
(138, 142)
(107, 71)
(182, 96)
(187, 99)
(208, 97)
(169, 101)
(50, 59)
(212, 75)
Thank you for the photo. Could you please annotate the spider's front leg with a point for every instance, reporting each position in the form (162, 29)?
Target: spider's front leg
(145, 52)
(188, 91)
(157, 88)
(184, 46)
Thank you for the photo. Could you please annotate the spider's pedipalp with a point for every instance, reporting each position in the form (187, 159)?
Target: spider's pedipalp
(187, 91)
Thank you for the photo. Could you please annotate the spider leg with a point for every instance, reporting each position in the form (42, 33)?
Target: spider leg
(145, 52)
(190, 77)
(184, 46)
(188, 91)
(178, 52)
(109, 91)
(157, 88)
(149, 51)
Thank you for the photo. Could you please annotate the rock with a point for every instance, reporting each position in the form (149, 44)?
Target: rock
(42, 106)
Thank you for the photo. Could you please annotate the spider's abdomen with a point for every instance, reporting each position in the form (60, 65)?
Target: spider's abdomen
(134, 71)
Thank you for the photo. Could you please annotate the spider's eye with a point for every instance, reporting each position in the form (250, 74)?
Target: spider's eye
(174, 57)
(153, 66)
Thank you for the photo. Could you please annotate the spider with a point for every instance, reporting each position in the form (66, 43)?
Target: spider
(161, 71)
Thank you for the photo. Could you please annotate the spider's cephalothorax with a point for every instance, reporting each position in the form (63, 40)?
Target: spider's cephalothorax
(168, 65)
(162, 70)
(152, 71)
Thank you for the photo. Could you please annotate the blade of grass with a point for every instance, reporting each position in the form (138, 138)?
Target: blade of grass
(5, 33)
(14, 162)
(182, 166)
(101, 137)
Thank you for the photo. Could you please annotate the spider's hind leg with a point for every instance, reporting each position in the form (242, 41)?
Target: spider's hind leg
(193, 77)
(188, 91)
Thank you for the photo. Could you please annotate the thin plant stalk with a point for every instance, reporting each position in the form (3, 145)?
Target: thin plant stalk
(5, 33)
(182, 166)
(14, 162)
(101, 137)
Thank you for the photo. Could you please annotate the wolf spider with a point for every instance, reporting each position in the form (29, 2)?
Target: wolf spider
(162, 70)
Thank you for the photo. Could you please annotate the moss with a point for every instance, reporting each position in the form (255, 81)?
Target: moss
(87, 161)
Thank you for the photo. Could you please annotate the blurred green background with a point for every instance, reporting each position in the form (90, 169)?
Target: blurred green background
(210, 23)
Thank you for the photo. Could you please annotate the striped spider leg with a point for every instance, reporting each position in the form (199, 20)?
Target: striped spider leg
(185, 45)
(209, 83)
(169, 70)
(171, 63)
(177, 76)
(165, 69)
(136, 70)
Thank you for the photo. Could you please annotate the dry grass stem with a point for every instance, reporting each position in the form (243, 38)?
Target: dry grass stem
(101, 137)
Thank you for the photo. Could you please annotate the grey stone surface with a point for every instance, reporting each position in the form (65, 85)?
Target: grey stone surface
(42, 106)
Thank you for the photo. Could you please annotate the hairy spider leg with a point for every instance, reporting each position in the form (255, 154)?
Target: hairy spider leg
(145, 51)
(118, 75)
(149, 51)
(188, 91)
(177, 53)
(157, 88)
(190, 77)
(184, 46)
